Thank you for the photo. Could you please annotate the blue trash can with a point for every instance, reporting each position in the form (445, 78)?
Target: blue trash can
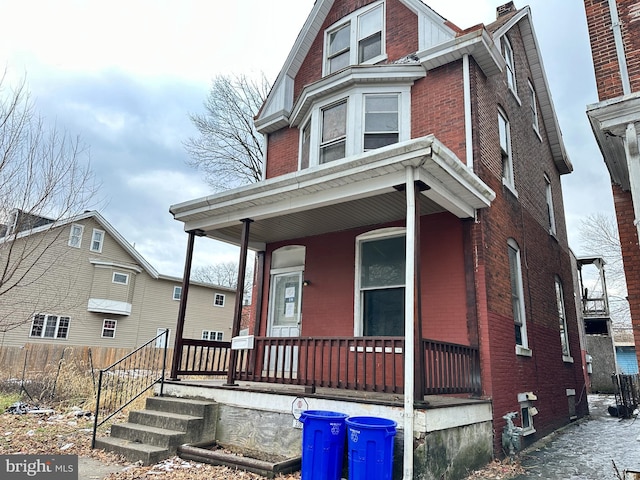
(323, 439)
(370, 448)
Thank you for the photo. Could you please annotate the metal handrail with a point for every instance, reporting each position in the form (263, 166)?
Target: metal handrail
(129, 378)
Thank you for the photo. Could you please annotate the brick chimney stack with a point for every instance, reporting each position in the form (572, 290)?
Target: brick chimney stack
(504, 9)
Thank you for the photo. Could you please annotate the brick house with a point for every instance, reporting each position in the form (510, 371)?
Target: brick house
(615, 45)
(409, 229)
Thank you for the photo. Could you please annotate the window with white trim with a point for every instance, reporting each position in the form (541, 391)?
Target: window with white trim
(517, 299)
(507, 51)
(162, 340)
(504, 133)
(533, 104)
(177, 292)
(75, 235)
(109, 328)
(364, 119)
(212, 335)
(120, 278)
(358, 38)
(562, 318)
(50, 326)
(380, 279)
(218, 300)
(97, 239)
(551, 218)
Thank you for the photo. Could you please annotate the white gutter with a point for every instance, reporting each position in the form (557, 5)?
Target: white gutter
(468, 132)
(617, 35)
(409, 299)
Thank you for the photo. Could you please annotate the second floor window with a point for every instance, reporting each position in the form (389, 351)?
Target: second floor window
(97, 239)
(121, 278)
(212, 335)
(177, 293)
(75, 236)
(504, 132)
(562, 317)
(507, 51)
(334, 132)
(517, 299)
(380, 121)
(218, 300)
(551, 218)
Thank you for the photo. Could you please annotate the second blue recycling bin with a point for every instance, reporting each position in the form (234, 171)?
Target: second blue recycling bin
(370, 448)
(323, 439)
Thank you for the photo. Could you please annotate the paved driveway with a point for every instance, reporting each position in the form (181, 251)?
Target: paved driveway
(585, 450)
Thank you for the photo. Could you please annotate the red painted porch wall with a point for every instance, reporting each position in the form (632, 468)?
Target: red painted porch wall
(327, 304)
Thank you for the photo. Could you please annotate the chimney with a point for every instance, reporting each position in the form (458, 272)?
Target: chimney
(504, 9)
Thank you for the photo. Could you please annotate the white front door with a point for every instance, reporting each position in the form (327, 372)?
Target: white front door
(284, 319)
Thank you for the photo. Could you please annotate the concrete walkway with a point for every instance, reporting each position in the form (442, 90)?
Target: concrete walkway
(93, 469)
(585, 450)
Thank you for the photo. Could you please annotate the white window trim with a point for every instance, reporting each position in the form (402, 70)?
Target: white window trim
(510, 61)
(215, 296)
(71, 236)
(99, 250)
(175, 289)
(508, 180)
(44, 326)
(358, 326)
(113, 278)
(352, 18)
(535, 118)
(522, 350)
(550, 210)
(115, 326)
(354, 143)
(215, 332)
(562, 317)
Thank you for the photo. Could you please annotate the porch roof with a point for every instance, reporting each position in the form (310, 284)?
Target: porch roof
(349, 193)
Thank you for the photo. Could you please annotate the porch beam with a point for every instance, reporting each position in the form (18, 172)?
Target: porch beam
(237, 314)
(182, 309)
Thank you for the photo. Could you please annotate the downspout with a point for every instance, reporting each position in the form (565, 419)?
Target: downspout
(409, 299)
(468, 131)
(617, 36)
(632, 151)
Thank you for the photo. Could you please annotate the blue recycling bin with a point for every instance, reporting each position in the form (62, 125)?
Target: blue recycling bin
(370, 448)
(323, 439)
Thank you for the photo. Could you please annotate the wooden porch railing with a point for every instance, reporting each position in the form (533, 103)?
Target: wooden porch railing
(374, 364)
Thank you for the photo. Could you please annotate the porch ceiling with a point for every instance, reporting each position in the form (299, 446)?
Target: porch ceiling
(350, 193)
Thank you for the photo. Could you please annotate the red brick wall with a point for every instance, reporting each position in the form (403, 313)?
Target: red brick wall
(282, 152)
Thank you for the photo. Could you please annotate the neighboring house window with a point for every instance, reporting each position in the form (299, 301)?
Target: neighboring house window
(510, 63)
(381, 124)
(177, 293)
(75, 235)
(121, 278)
(534, 109)
(212, 335)
(550, 215)
(109, 328)
(334, 132)
(562, 317)
(162, 340)
(358, 38)
(381, 281)
(97, 239)
(517, 299)
(504, 132)
(218, 300)
(49, 326)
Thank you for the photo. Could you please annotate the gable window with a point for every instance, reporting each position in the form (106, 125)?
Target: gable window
(381, 281)
(97, 239)
(49, 326)
(177, 292)
(507, 51)
(534, 109)
(381, 124)
(109, 328)
(550, 215)
(517, 299)
(218, 300)
(121, 278)
(212, 335)
(357, 39)
(334, 132)
(562, 317)
(75, 235)
(504, 132)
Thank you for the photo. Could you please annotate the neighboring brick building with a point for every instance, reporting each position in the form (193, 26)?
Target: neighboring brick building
(400, 143)
(614, 31)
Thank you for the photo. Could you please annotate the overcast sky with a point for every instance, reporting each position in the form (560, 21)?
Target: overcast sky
(125, 74)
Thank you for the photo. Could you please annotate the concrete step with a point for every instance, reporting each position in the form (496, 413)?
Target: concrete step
(184, 406)
(158, 437)
(132, 451)
(192, 426)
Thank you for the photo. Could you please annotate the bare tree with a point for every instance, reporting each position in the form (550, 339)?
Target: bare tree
(599, 236)
(225, 275)
(229, 150)
(45, 178)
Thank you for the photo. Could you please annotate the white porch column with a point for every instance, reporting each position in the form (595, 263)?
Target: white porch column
(409, 350)
(632, 151)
